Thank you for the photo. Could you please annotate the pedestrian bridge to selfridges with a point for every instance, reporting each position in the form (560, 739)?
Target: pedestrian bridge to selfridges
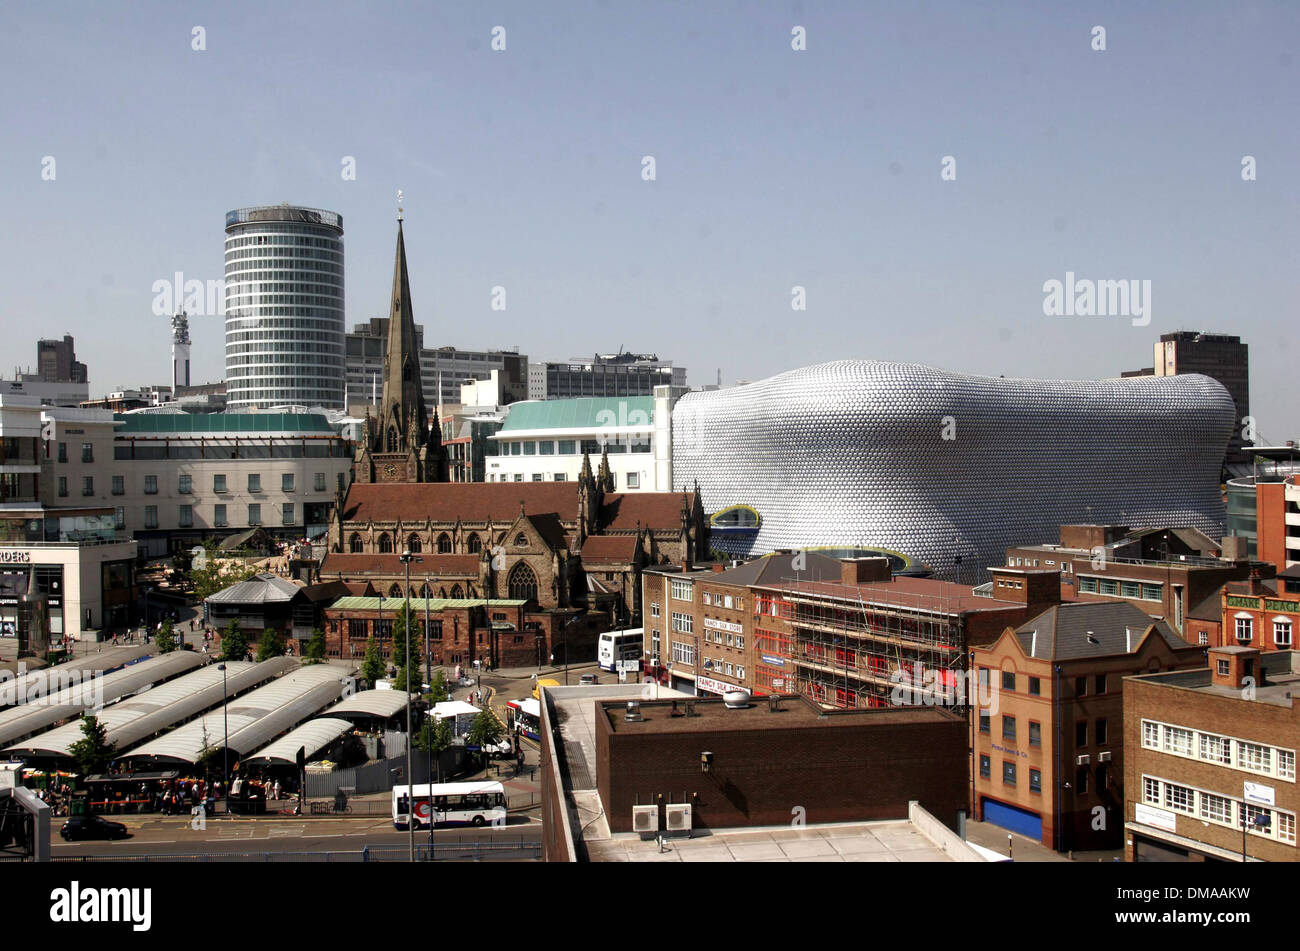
(939, 465)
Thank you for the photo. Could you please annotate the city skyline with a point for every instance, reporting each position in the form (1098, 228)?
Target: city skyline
(775, 168)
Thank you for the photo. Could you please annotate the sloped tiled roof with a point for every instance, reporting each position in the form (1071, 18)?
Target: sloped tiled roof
(780, 567)
(259, 589)
(622, 511)
(1092, 629)
(390, 564)
(413, 502)
(609, 549)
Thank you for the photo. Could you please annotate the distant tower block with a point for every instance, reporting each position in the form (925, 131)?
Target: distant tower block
(180, 351)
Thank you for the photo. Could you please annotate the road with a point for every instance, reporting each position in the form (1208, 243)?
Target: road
(157, 835)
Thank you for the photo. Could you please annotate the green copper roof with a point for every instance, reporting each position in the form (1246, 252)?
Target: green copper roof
(585, 412)
(200, 424)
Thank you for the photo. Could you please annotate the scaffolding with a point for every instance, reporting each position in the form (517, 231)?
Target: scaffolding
(845, 650)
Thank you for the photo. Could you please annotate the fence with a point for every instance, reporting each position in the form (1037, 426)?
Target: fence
(383, 775)
(457, 851)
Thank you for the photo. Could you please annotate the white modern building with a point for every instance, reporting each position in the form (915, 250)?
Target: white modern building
(64, 564)
(546, 440)
(175, 479)
(284, 307)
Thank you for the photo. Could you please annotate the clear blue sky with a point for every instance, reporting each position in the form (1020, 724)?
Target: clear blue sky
(820, 168)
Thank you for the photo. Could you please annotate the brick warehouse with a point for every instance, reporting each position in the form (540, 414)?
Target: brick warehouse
(767, 767)
(1202, 748)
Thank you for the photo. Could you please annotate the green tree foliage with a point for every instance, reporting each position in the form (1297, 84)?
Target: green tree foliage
(209, 574)
(372, 668)
(438, 692)
(270, 645)
(234, 645)
(166, 638)
(486, 730)
(434, 735)
(92, 753)
(315, 650)
(405, 621)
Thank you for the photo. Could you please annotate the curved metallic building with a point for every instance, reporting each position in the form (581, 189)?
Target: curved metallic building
(938, 465)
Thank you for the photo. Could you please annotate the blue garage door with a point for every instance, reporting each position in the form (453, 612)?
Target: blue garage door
(1017, 820)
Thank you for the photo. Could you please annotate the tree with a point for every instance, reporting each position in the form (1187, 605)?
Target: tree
(234, 645)
(166, 638)
(209, 574)
(372, 668)
(438, 689)
(403, 622)
(92, 752)
(208, 761)
(315, 651)
(434, 735)
(269, 645)
(486, 730)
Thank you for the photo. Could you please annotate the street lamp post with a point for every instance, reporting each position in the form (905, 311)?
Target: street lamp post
(406, 638)
(225, 743)
(148, 589)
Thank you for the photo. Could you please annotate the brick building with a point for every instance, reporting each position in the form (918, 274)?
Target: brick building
(1256, 615)
(1047, 757)
(1207, 749)
(766, 761)
(1166, 572)
(845, 633)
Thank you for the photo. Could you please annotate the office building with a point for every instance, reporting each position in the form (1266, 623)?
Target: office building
(443, 370)
(66, 568)
(1210, 760)
(284, 307)
(1221, 357)
(56, 361)
(1048, 757)
(603, 375)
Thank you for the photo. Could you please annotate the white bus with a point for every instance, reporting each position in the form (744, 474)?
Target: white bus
(619, 645)
(446, 803)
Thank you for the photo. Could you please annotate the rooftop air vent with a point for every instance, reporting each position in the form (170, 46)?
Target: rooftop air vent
(736, 699)
(633, 714)
(690, 708)
(774, 703)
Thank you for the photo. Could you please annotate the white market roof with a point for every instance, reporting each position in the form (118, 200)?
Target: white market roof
(313, 736)
(379, 703)
(76, 698)
(139, 717)
(454, 708)
(252, 720)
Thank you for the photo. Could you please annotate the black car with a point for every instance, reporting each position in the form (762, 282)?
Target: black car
(92, 827)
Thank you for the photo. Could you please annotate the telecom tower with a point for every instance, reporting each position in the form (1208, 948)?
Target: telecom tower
(180, 351)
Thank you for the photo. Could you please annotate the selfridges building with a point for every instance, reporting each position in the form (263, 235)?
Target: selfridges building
(938, 466)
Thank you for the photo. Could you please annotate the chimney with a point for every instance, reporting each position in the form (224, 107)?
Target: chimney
(719, 569)
(1256, 584)
(855, 571)
(1233, 548)
(1231, 666)
(686, 567)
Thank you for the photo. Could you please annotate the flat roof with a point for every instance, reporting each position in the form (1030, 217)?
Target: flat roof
(221, 424)
(1280, 672)
(658, 716)
(914, 594)
(896, 840)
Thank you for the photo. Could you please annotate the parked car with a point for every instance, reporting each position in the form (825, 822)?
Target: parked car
(92, 827)
(587, 680)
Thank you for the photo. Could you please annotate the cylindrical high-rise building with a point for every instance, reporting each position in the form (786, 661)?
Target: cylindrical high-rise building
(284, 307)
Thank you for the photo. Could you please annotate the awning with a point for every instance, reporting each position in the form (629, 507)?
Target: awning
(311, 737)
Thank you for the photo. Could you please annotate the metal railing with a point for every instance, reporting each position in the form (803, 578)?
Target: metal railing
(459, 851)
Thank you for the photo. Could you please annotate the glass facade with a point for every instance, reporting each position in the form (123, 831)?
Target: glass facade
(284, 307)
